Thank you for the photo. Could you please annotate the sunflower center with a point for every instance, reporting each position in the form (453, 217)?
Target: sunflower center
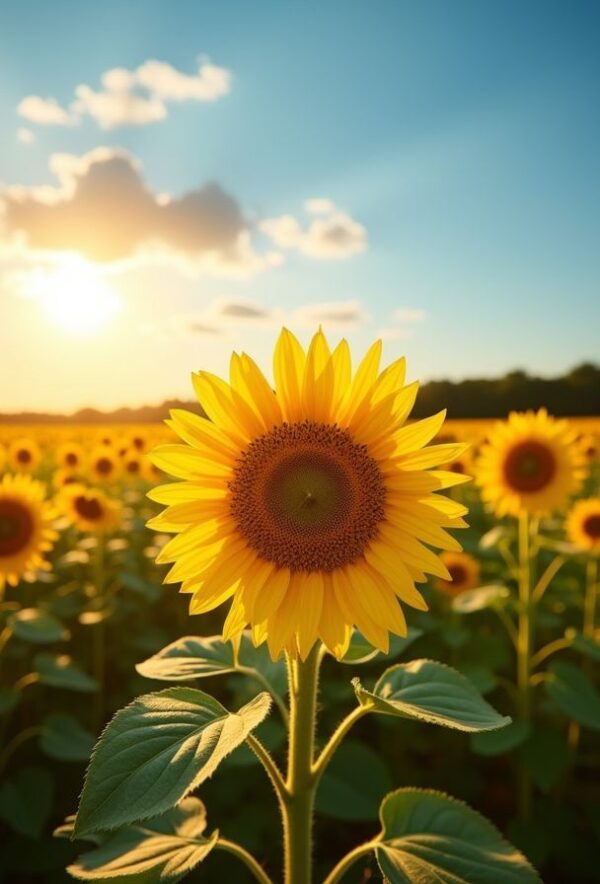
(104, 465)
(88, 507)
(458, 573)
(71, 459)
(306, 497)
(529, 467)
(133, 466)
(23, 455)
(16, 527)
(591, 526)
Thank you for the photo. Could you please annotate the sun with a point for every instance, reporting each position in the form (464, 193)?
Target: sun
(76, 296)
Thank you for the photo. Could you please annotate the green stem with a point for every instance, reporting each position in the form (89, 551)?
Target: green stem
(271, 768)
(559, 644)
(266, 684)
(98, 637)
(344, 864)
(301, 783)
(524, 641)
(17, 741)
(335, 740)
(591, 592)
(247, 858)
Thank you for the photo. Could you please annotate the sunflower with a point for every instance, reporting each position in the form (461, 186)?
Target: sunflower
(2, 456)
(89, 509)
(62, 477)
(583, 525)
(24, 455)
(530, 463)
(26, 531)
(132, 463)
(69, 456)
(312, 504)
(588, 445)
(103, 464)
(464, 571)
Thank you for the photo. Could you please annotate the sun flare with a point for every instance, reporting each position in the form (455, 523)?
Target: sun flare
(76, 296)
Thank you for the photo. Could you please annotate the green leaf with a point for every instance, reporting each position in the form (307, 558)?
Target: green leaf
(481, 676)
(9, 699)
(61, 671)
(545, 755)
(431, 692)
(586, 645)
(64, 738)
(146, 588)
(477, 599)
(501, 741)
(361, 651)
(492, 537)
(352, 786)
(431, 838)
(156, 750)
(574, 694)
(164, 848)
(37, 626)
(194, 656)
(26, 800)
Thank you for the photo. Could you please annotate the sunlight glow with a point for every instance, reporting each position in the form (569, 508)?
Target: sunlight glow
(76, 296)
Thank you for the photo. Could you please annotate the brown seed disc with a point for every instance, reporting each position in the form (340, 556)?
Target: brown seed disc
(306, 497)
(16, 527)
(23, 455)
(529, 467)
(88, 507)
(104, 466)
(458, 574)
(591, 526)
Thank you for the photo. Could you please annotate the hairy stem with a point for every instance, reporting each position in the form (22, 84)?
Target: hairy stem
(301, 783)
(524, 642)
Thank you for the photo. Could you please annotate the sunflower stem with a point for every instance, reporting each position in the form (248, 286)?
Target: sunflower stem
(344, 864)
(524, 642)
(591, 593)
(301, 782)
(238, 851)
(98, 639)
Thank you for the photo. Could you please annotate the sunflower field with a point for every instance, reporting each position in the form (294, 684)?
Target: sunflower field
(436, 579)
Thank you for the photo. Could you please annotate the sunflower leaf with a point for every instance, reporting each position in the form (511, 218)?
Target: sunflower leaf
(156, 750)
(61, 671)
(431, 692)
(194, 657)
(164, 848)
(431, 838)
(360, 651)
(574, 694)
(477, 599)
(37, 626)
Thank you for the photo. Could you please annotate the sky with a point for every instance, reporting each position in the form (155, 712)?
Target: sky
(178, 180)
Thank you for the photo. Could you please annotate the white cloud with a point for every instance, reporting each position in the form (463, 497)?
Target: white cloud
(409, 314)
(335, 315)
(332, 235)
(224, 315)
(131, 97)
(112, 108)
(164, 81)
(44, 111)
(25, 136)
(394, 334)
(318, 206)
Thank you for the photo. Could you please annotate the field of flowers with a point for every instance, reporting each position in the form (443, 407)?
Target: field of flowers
(84, 619)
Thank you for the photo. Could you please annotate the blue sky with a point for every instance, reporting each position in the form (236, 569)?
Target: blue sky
(461, 138)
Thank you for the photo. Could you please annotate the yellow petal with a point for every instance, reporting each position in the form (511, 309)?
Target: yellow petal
(189, 463)
(202, 434)
(251, 384)
(318, 381)
(310, 612)
(288, 370)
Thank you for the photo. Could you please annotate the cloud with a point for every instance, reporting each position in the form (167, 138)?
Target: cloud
(44, 111)
(318, 206)
(131, 97)
(225, 315)
(409, 314)
(25, 136)
(104, 210)
(331, 235)
(341, 315)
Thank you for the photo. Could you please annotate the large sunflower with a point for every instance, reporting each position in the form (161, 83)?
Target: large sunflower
(583, 525)
(311, 504)
(26, 531)
(530, 463)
